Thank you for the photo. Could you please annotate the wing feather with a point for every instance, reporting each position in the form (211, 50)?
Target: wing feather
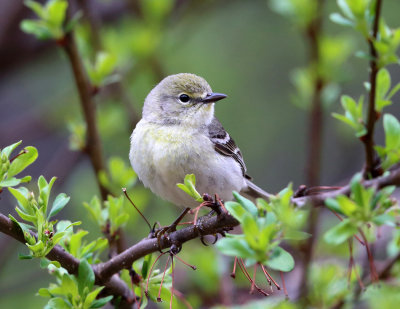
(225, 145)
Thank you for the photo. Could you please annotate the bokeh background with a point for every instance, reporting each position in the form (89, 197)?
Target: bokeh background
(242, 48)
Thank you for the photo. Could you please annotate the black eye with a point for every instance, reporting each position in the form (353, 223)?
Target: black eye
(184, 98)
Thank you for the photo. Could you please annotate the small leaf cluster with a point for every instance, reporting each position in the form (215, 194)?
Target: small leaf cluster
(326, 69)
(262, 234)
(354, 114)
(100, 72)
(77, 292)
(360, 15)
(74, 243)
(12, 166)
(363, 206)
(38, 213)
(110, 215)
(189, 187)
(119, 175)
(390, 153)
(51, 20)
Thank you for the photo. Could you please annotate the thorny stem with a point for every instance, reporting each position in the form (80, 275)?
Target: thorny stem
(137, 209)
(352, 265)
(182, 298)
(270, 277)
(146, 291)
(368, 139)
(162, 279)
(182, 261)
(374, 275)
(245, 272)
(284, 285)
(254, 279)
(172, 280)
(233, 274)
(23, 151)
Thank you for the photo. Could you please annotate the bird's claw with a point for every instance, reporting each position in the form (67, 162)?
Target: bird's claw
(165, 230)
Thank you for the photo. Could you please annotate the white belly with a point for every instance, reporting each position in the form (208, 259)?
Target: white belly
(162, 158)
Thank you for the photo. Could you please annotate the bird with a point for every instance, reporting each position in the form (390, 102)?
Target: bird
(179, 135)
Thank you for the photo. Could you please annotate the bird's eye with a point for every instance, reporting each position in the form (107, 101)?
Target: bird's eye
(184, 98)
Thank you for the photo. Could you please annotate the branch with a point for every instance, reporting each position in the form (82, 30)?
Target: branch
(368, 139)
(93, 144)
(378, 183)
(104, 272)
(113, 285)
(116, 88)
(205, 226)
(313, 164)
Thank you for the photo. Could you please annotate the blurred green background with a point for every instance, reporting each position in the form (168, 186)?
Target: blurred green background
(242, 48)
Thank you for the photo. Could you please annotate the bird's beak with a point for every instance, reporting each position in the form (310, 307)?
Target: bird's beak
(213, 97)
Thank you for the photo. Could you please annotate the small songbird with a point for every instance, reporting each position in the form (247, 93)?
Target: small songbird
(179, 135)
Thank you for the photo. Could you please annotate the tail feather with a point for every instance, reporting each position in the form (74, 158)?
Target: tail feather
(252, 191)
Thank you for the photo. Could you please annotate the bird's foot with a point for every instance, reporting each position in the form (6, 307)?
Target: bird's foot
(165, 230)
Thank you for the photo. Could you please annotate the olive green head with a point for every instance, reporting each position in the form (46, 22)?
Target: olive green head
(181, 98)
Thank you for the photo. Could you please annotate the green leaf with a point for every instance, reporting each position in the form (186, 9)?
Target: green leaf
(296, 235)
(235, 247)
(45, 293)
(22, 161)
(20, 197)
(392, 131)
(25, 256)
(37, 248)
(91, 297)
(189, 187)
(146, 264)
(236, 210)
(280, 260)
(59, 203)
(394, 90)
(85, 276)
(383, 83)
(57, 303)
(340, 233)
(98, 303)
(9, 149)
(12, 182)
(247, 204)
(36, 7)
(56, 10)
(37, 28)
(339, 19)
(25, 216)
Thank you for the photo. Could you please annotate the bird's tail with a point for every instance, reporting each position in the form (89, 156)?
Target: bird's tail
(252, 191)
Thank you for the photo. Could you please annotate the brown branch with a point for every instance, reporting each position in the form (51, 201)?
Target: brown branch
(93, 144)
(319, 199)
(150, 245)
(116, 89)
(105, 272)
(114, 285)
(313, 164)
(368, 139)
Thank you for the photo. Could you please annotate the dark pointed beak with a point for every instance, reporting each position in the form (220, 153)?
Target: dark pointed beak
(213, 97)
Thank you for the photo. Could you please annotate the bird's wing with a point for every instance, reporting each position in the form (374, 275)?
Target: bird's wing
(224, 144)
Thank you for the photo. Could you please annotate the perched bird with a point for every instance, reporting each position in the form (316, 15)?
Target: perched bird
(179, 135)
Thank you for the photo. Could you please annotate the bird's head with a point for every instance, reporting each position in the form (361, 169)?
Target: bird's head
(183, 98)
